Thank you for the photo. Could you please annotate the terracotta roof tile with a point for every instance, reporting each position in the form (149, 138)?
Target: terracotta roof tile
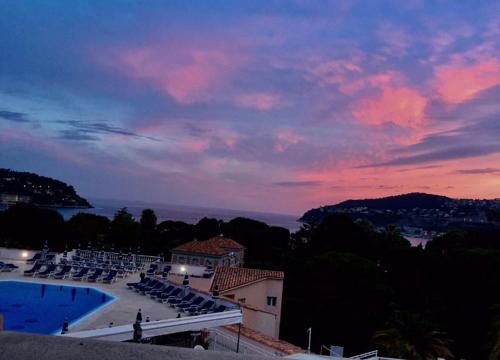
(231, 277)
(280, 345)
(214, 246)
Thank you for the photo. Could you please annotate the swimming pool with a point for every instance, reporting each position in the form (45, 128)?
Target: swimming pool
(41, 308)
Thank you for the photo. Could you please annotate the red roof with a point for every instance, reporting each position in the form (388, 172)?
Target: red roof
(261, 338)
(227, 278)
(215, 246)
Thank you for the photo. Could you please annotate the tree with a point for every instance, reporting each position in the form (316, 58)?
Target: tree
(148, 228)
(409, 336)
(84, 227)
(28, 226)
(207, 228)
(124, 230)
(493, 215)
(494, 334)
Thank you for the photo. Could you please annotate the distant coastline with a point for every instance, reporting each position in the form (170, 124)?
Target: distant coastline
(187, 214)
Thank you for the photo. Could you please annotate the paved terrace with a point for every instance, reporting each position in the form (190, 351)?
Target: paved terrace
(18, 346)
(120, 312)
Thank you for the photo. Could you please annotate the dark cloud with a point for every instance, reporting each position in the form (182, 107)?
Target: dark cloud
(452, 153)
(298, 183)
(420, 168)
(80, 130)
(476, 134)
(76, 135)
(13, 116)
(485, 171)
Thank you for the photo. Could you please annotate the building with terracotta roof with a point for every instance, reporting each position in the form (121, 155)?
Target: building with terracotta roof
(259, 292)
(216, 251)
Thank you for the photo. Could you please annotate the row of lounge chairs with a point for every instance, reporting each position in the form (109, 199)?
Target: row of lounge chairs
(175, 297)
(7, 267)
(38, 257)
(66, 272)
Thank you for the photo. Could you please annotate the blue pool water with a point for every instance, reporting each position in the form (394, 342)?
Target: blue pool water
(42, 308)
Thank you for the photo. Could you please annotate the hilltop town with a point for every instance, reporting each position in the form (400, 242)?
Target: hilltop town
(415, 214)
(40, 190)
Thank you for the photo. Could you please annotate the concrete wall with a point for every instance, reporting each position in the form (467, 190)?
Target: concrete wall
(260, 321)
(181, 269)
(255, 295)
(18, 346)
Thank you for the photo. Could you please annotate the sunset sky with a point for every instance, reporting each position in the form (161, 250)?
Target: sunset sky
(276, 106)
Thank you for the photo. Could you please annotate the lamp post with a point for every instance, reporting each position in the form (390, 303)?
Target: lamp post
(309, 331)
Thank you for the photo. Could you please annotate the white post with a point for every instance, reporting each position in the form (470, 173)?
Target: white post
(309, 342)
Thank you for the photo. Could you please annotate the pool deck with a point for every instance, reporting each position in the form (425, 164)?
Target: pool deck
(122, 311)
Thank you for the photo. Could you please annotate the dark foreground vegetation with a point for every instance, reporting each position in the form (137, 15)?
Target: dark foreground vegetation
(355, 287)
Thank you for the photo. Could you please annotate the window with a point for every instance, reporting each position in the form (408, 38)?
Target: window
(242, 300)
(271, 300)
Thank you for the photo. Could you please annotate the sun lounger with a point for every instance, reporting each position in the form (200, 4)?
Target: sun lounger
(132, 285)
(81, 274)
(176, 301)
(176, 292)
(95, 276)
(8, 267)
(110, 278)
(166, 289)
(149, 284)
(148, 289)
(197, 301)
(33, 270)
(35, 257)
(64, 273)
(48, 271)
(152, 270)
(196, 309)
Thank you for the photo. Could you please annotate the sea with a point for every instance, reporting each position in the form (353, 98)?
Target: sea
(187, 214)
(192, 214)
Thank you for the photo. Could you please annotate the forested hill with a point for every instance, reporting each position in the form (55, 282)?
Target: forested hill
(405, 201)
(421, 210)
(36, 189)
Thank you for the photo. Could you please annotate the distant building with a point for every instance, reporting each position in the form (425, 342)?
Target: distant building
(217, 251)
(14, 198)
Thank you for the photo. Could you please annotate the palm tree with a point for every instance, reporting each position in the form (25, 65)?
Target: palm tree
(494, 333)
(408, 335)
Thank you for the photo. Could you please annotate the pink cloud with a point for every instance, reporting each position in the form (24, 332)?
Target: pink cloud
(402, 106)
(380, 80)
(396, 40)
(335, 72)
(53, 148)
(457, 82)
(190, 73)
(285, 139)
(263, 101)
(197, 145)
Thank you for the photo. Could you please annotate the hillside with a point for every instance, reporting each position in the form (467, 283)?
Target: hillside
(419, 211)
(40, 190)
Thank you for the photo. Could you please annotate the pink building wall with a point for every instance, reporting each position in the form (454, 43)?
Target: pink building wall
(255, 295)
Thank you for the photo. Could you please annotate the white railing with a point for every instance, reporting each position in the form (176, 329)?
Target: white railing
(163, 327)
(223, 341)
(88, 254)
(368, 355)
